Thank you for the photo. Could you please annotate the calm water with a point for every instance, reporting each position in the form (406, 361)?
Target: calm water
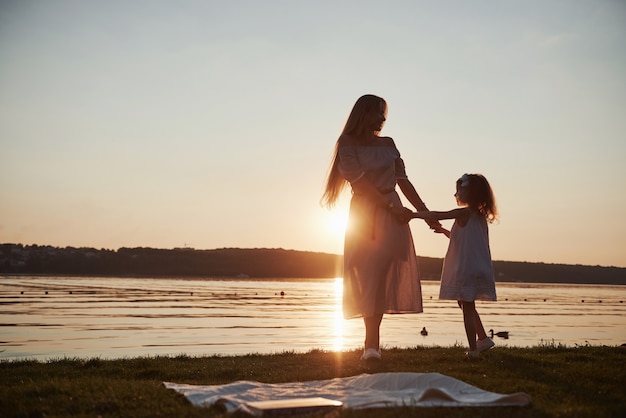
(51, 317)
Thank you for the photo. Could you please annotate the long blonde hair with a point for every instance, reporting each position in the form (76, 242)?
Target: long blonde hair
(356, 126)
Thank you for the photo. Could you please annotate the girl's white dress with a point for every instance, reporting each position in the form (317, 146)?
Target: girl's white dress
(467, 269)
(380, 266)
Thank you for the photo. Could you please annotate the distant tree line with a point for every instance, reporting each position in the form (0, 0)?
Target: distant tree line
(513, 271)
(226, 262)
(254, 263)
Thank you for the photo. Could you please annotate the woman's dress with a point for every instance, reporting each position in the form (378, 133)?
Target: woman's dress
(380, 266)
(467, 272)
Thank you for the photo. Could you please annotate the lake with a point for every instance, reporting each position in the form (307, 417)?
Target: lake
(55, 317)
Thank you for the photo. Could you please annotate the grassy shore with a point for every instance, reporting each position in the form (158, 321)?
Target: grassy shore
(587, 381)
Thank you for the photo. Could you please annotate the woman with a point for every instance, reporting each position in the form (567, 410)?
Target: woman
(380, 265)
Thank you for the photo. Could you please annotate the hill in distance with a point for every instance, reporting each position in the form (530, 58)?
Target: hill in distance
(256, 263)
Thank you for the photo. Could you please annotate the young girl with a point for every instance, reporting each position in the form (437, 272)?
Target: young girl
(467, 273)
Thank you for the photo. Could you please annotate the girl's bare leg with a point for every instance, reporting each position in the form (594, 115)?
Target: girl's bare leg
(372, 331)
(469, 319)
(481, 334)
(480, 330)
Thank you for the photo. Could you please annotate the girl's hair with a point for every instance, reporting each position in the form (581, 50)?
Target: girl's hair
(480, 196)
(356, 127)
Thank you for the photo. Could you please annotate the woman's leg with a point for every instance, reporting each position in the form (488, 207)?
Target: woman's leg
(372, 331)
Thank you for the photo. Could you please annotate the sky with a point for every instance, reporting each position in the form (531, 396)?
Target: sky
(211, 124)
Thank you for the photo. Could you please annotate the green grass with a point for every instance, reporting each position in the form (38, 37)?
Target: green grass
(582, 381)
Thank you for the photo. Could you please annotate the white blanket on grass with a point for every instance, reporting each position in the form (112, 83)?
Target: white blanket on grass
(379, 390)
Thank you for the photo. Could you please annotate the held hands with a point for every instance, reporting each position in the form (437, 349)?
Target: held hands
(442, 230)
(434, 224)
(438, 228)
(402, 214)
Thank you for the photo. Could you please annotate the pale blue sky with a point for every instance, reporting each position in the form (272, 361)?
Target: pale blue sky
(211, 124)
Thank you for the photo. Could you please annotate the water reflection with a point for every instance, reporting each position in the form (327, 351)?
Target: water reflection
(338, 328)
(51, 317)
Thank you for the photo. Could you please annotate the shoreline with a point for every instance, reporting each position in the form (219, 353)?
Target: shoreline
(544, 345)
(235, 278)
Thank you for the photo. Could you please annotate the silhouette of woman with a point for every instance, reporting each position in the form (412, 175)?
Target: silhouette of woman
(380, 266)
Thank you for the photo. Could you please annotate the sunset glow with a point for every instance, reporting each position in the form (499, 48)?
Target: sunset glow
(337, 223)
(213, 124)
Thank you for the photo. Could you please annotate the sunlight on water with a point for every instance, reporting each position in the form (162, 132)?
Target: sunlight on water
(338, 328)
(53, 317)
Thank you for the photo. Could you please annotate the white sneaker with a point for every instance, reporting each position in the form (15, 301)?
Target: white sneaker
(472, 354)
(484, 344)
(371, 354)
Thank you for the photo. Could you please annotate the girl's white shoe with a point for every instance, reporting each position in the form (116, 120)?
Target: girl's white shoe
(472, 354)
(371, 354)
(484, 344)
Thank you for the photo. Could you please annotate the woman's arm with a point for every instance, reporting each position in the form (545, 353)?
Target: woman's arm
(411, 194)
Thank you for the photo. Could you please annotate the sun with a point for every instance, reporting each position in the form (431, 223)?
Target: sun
(330, 227)
(338, 222)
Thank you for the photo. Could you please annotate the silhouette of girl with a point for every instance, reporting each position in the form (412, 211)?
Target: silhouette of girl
(467, 273)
